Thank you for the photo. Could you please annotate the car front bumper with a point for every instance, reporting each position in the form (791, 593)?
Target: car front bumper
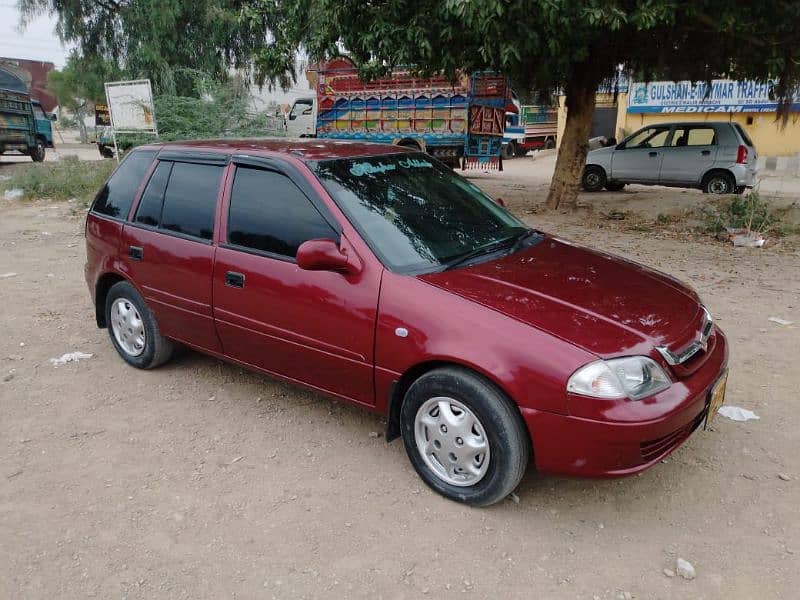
(582, 447)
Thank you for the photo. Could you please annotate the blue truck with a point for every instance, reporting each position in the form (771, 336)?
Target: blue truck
(24, 125)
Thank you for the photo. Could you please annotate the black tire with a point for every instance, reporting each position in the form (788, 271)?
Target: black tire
(507, 438)
(38, 151)
(593, 179)
(509, 150)
(615, 186)
(549, 144)
(157, 349)
(719, 182)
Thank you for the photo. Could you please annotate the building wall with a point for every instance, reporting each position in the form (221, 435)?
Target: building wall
(767, 135)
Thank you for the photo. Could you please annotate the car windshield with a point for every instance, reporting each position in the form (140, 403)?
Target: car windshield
(415, 213)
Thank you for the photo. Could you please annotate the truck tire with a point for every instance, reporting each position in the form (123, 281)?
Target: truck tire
(509, 150)
(549, 144)
(38, 151)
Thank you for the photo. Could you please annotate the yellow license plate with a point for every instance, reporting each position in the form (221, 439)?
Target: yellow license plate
(716, 398)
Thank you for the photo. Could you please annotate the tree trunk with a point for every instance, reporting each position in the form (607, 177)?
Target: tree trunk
(580, 101)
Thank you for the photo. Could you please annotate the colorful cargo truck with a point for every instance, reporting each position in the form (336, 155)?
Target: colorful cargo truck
(458, 122)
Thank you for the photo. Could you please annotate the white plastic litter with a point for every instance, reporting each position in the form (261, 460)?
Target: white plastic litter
(780, 321)
(734, 413)
(70, 357)
(7, 275)
(13, 194)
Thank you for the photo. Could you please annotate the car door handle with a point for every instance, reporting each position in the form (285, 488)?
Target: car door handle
(233, 279)
(653, 154)
(705, 152)
(136, 252)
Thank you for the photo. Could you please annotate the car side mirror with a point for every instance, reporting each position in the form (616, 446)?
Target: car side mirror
(611, 142)
(325, 255)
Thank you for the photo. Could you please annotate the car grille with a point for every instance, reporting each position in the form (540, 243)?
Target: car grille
(653, 449)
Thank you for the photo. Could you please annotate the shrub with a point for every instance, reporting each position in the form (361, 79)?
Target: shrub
(750, 211)
(67, 178)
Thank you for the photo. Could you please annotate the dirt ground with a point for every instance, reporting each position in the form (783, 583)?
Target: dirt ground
(201, 480)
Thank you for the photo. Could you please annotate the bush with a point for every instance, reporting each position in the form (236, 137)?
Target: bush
(67, 178)
(750, 212)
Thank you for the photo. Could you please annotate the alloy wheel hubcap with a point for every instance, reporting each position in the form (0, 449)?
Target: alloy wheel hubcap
(592, 179)
(718, 186)
(128, 327)
(451, 441)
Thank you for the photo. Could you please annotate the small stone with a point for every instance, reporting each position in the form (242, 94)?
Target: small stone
(10, 376)
(514, 498)
(784, 477)
(669, 572)
(374, 434)
(685, 569)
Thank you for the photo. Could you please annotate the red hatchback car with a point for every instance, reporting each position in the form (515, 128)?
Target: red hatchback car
(381, 277)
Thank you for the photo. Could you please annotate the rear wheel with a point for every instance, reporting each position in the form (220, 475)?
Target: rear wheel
(719, 182)
(133, 328)
(594, 178)
(464, 437)
(549, 144)
(509, 150)
(38, 151)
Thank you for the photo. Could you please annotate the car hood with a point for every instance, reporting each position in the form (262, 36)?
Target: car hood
(598, 302)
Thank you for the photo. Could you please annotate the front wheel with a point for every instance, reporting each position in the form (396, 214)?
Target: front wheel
(509, 150)
(38, 151)
(133, 328)
(464, 437)
(594, 178)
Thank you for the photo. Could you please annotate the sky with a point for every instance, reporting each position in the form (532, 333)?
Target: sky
(37, 42)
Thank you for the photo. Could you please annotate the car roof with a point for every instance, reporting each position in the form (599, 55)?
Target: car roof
(304, 149)
(686, 123)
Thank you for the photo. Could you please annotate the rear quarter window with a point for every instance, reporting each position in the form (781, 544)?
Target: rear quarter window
(745, 138)
(116, 196)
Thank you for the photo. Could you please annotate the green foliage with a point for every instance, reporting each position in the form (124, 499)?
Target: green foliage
(750, 212)
(61, 180)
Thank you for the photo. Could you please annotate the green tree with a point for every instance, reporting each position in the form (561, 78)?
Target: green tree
(80, 84)
(155, 39)
(547, 45)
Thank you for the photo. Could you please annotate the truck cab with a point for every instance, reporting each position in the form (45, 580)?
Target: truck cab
(302, 118)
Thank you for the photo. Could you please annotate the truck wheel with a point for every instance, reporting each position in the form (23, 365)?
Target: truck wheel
(549, 144)
(594, 178)
(37, 152)
(509, 150)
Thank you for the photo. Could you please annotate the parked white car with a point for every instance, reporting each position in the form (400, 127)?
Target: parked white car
(716, 157)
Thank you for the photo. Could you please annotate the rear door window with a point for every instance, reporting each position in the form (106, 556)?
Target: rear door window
(116, 196)
(149, 211)
(694, 136)
(190, 200)
(269, 213)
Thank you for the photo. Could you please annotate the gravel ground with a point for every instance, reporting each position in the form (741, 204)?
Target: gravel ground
(201, 480)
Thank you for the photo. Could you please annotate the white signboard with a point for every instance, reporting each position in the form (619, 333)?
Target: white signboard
(131, 106)
(721, 96)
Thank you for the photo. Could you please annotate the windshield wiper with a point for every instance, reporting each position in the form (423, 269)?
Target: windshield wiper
(485, 249)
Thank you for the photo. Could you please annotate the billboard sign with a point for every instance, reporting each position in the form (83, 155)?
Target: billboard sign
(130, 104)
(102, 118)
(721, 96)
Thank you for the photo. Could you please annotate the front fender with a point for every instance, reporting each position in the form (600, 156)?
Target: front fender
(420, 324)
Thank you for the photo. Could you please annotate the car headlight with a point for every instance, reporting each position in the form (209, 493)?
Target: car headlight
(633, 377)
